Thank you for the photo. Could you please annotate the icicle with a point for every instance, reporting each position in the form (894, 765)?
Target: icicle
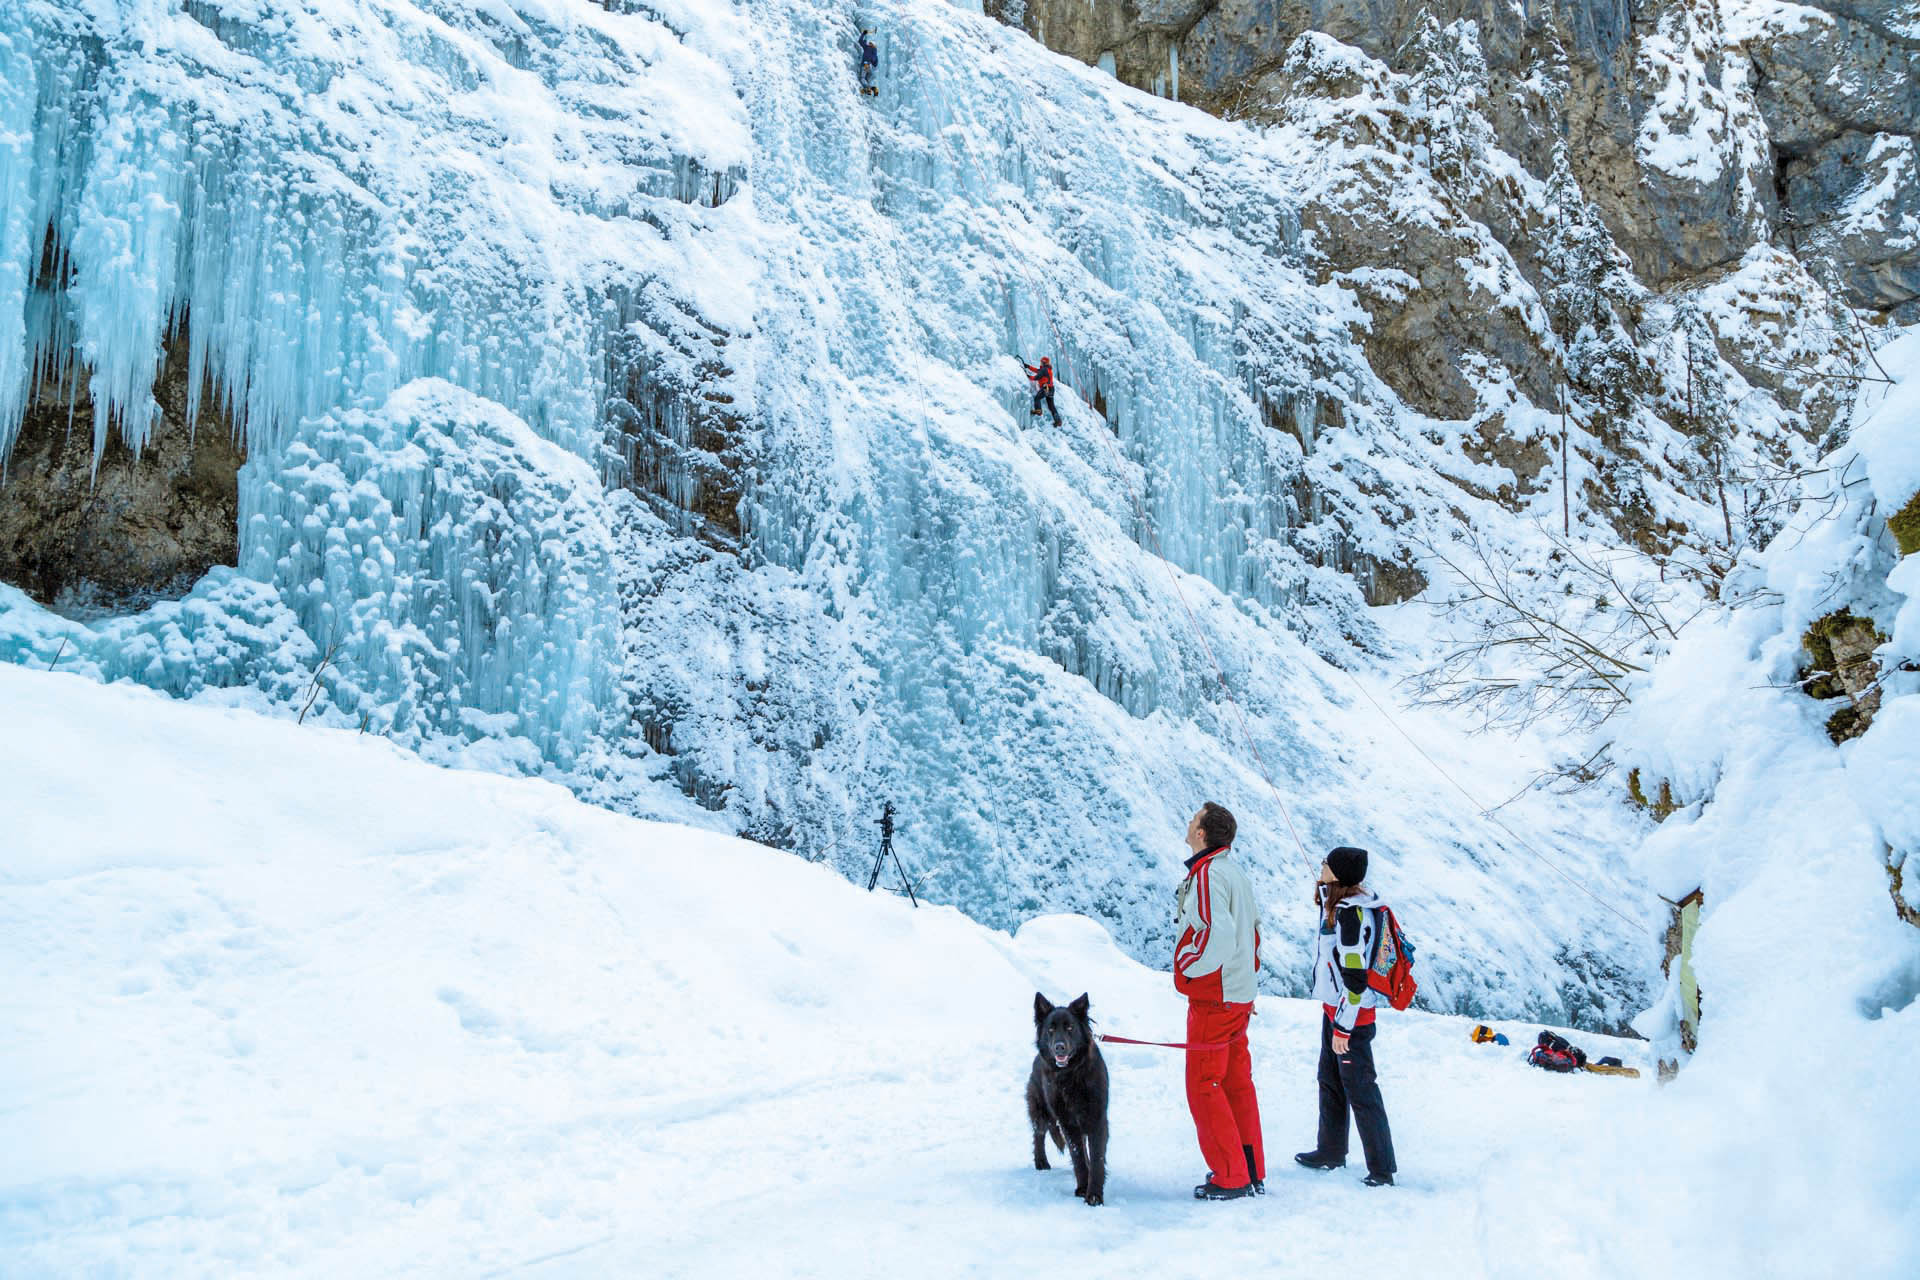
(125, 251)
(19, 98)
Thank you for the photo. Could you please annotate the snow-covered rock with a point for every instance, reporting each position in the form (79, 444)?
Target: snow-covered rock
(1799, 828)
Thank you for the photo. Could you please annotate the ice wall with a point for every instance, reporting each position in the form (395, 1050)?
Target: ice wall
(444, 261)
(452, 560)
(335, 206)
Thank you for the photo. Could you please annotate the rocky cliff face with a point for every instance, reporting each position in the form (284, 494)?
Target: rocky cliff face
(1699, 129)
(1590, 75)
(109, 537)
(1838, 84)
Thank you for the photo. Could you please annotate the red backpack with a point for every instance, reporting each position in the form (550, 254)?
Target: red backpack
(1391, 973)
(1552, 1053)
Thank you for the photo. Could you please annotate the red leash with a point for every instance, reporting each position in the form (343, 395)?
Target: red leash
(1163, 1044)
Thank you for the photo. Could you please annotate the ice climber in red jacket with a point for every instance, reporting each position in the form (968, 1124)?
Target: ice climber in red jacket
(1041, 376)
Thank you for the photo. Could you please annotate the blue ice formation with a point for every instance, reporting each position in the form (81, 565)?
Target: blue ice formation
(458, 564)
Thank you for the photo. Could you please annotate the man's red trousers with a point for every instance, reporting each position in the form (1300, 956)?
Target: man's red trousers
(1226, 1113)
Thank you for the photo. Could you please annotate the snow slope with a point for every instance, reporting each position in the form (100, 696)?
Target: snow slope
(1798, 843)
(287, 1001)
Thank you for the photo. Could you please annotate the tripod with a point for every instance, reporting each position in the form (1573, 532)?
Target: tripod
(885, 822)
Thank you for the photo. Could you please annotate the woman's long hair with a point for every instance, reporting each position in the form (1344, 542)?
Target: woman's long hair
(1330, 896)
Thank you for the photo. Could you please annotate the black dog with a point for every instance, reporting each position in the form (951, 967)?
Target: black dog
(1067, 1094)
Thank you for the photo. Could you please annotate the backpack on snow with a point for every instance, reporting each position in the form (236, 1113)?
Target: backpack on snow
(1551, 1053)
(1391, 973)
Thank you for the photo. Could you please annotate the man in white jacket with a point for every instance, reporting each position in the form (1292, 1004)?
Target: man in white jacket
(1214, 967)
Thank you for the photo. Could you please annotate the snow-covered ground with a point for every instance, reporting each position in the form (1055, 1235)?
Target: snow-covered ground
(288, 1001)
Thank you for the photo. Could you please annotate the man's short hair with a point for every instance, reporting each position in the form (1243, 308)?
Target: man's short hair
(1216, 825)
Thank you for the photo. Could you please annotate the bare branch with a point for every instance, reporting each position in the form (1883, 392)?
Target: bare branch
(313, 688)
(1538, 642)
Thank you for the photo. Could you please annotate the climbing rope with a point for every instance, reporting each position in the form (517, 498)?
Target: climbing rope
(1151, 542)
(1140, 513)
(1488, 814)
(1193, 620)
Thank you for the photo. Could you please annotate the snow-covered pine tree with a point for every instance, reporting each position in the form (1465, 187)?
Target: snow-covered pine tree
(1590, 282)
(1446, 73)
(1704, 410)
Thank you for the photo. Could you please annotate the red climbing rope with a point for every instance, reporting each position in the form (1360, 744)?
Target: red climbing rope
(1140, 514)
(1151, 544)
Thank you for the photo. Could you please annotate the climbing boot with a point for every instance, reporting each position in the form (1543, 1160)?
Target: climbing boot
(1314, 1160)
(1211, 1190)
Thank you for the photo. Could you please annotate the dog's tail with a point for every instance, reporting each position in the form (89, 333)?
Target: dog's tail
(1059, 1138)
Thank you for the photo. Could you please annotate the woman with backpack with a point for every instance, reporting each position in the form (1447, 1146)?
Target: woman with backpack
(1352, 920)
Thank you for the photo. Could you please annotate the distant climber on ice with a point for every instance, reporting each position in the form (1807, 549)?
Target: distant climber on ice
(1041, 376)
(869, 65)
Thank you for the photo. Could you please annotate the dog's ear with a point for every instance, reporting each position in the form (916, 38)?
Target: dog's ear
(1079, 1007)
(1041, 1006)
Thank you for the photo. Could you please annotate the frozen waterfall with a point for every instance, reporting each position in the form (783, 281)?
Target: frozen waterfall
(628, 399)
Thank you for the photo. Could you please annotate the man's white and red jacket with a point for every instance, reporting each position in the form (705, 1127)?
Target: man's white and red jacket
(1219, 927)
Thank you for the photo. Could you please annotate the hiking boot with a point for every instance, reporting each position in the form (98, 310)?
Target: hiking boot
(1377, 1180)
(1314, 1160)
(1211, 1190)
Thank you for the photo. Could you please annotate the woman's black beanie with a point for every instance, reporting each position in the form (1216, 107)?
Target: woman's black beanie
(1348, 864)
